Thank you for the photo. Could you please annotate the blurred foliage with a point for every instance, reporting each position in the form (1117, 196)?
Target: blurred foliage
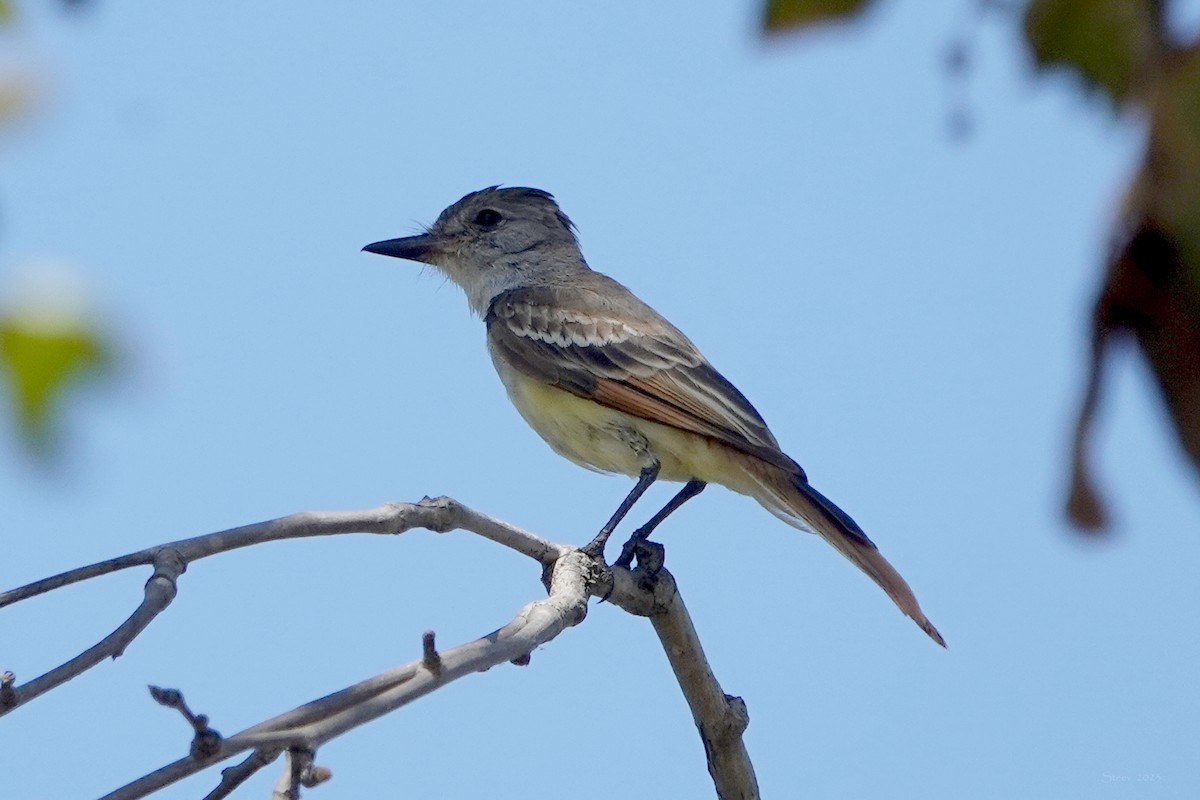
(1150, 292)
(47, 343)
(1152, 287)
(17, 95)
(782, 15)
(1108, 43)
(42, 354)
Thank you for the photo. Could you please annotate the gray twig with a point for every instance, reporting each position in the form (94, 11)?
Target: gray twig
(429, 657)
(158, 594)
(235, 776)
(205, 740)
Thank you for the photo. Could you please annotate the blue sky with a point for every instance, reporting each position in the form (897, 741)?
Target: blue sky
(211, 173)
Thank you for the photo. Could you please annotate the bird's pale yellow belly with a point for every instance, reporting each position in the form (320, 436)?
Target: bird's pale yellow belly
(608, 440)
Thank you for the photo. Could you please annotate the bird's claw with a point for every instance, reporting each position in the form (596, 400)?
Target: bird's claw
(650, 557)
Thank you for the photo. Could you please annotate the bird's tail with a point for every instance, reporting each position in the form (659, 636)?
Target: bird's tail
(790, 497)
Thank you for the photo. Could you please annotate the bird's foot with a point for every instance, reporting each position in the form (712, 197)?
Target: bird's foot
(650, 558)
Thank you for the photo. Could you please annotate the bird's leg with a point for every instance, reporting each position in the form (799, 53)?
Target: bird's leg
(596, 546)
(637, 544)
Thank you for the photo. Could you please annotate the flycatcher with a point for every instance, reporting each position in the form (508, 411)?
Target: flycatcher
(612, 385)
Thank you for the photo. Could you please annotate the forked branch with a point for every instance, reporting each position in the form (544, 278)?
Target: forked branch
(571, 578)
(170, 560)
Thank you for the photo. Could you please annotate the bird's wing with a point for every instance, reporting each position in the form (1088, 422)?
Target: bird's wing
(576, 340)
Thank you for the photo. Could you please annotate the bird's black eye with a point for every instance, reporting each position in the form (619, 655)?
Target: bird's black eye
(488, 218)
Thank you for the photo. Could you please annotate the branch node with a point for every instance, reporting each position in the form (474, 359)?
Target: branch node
(447, 509)
(206, 742)
(169, 563)
(8, 695)
(597, 575)
(300, 771)
(429, 657)
(235, 776)
(548, 574)
(522, 660)
(737, 716)
(314, 775)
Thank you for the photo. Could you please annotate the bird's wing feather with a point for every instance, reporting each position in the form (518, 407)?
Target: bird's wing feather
(575, 340)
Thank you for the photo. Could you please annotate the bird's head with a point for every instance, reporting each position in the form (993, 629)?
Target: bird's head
(493, 240)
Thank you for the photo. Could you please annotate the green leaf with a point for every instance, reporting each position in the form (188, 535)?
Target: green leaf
(781, 15)
(1108, 43)
(42, 356)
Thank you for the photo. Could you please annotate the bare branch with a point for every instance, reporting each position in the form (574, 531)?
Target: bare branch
(159, 592)
(573, 577)
(439, 514)
(720, 718)
(235, 776)
(170, 560)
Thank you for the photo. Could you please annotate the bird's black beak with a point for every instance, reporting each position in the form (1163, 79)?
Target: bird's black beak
(412, 248)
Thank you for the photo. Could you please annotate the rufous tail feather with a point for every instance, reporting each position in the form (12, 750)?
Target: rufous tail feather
(792, 499)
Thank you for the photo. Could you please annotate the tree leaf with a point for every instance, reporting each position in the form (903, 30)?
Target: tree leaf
(781, 15)
(42, 356)
(1106, 42)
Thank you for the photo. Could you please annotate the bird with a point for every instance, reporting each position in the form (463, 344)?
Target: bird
(613, 386)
